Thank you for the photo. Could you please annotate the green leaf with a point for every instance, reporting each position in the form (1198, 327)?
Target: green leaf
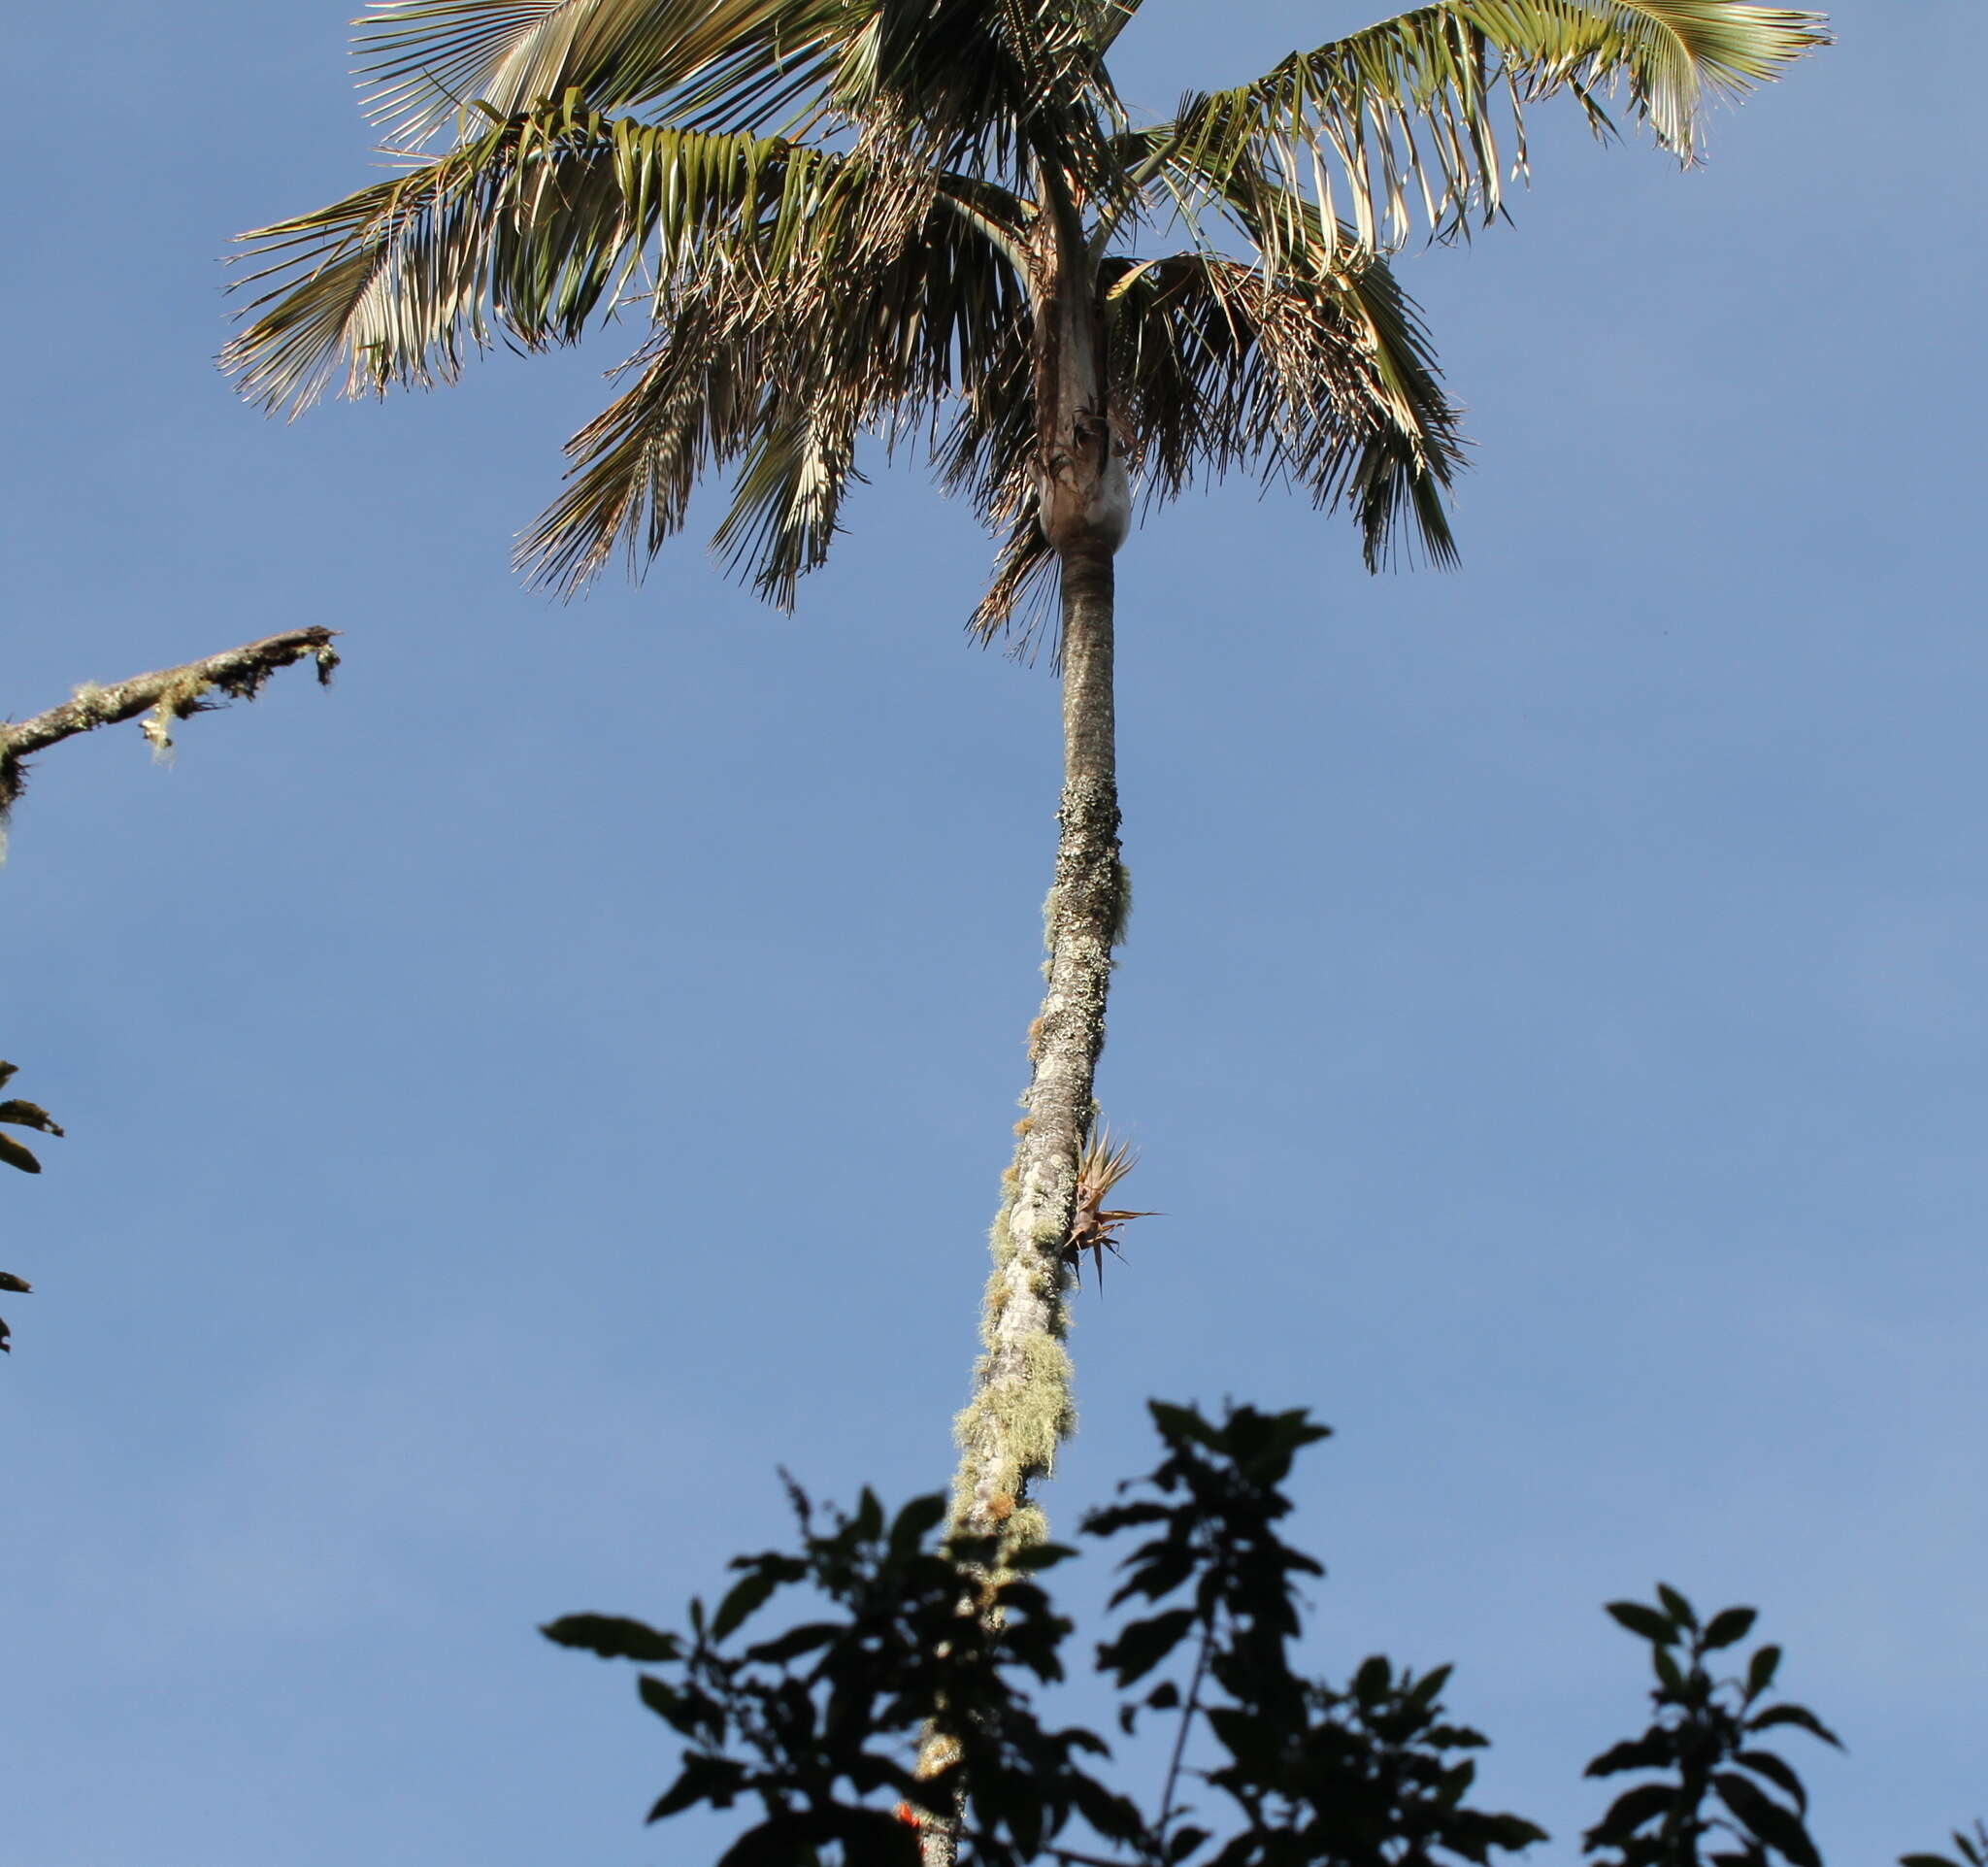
(1645, 1623)
(1732, 1625)
(1428, 109)
(613, 1638)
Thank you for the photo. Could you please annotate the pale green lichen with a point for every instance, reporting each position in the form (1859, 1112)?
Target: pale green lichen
(1029, 1525)
(179, 700)
(91, 702)
(1121, 914)
(1010, 1429)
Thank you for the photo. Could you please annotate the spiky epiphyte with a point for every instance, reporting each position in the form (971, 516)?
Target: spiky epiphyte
(1103, 1164)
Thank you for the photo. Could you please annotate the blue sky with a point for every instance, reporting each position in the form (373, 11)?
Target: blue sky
(521, 1098)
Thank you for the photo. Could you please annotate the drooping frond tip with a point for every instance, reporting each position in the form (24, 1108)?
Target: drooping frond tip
(1423, 116)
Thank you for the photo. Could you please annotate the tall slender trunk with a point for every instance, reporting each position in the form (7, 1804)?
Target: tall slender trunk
(1021, 1407)
(1021, 1410)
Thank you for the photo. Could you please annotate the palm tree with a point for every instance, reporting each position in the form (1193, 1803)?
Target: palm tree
(933, 222)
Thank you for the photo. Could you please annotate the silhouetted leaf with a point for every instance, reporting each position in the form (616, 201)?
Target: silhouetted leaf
(1628, 1813)
(1778, 1827)
(1037, 1555)
(1374, 1680)
(675, 1708)
(1653, 1750)
(1764, 1763)
(1180, 1425)
(716, 1780)
(1142, 1646)
(1430, 1686)
(1761, 1670)
(612, 1638)
(915, 1522)
(748, 1594)
(1797, 1715)
(1733, 1624)
(796, 1641)
(1156, 1570)
(1645, 1623)
(1675, 1606)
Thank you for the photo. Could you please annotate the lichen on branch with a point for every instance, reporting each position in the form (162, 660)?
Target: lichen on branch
(158, 700)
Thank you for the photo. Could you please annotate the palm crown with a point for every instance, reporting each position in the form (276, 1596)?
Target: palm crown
(842, 217)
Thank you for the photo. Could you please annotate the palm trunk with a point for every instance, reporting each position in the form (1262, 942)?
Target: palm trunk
(1021, 1410)
(1021, 1407)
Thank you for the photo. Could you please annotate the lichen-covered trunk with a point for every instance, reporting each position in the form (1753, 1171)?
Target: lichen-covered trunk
(1021, 1407)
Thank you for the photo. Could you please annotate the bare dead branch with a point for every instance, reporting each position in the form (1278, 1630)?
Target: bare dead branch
(170, 694)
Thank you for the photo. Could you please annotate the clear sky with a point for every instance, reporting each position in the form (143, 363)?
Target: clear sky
(518, 1099)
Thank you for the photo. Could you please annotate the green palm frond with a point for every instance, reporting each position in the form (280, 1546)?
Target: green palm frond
(837, 219)
(430, 62)
(1426, 111)
(973, 82)
(532, 228)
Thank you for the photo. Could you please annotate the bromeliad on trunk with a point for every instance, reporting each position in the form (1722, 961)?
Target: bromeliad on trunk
(1104, 1164)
